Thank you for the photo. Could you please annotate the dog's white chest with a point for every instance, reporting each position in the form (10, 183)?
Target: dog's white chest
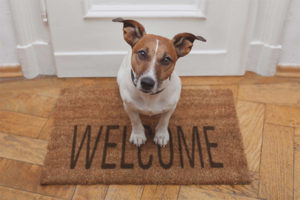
(151, 105)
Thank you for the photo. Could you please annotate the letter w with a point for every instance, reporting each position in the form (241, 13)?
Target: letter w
(87, 134)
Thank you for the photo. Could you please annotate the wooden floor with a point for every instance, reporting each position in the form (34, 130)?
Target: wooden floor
(269, 116)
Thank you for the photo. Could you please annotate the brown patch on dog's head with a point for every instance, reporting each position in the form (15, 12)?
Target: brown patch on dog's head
(145, 51)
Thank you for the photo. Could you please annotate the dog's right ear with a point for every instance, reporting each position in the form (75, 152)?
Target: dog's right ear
(132, 30)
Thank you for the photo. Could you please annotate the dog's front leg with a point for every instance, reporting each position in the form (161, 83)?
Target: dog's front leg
(161, 130)
(137, 136)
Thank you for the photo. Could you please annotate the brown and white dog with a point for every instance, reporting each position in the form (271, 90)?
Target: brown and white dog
(147, 81)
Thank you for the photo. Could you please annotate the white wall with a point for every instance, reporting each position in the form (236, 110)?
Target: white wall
(290, 55)
(290, 52)
(8, 56)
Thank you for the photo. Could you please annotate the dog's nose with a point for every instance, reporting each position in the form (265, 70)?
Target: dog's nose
(147, 83)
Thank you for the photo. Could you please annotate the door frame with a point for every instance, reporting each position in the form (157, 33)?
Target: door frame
(263, 39)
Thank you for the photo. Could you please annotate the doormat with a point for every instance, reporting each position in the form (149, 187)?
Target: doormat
(90, 141)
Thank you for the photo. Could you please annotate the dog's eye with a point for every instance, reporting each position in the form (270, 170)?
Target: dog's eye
(142, 55)
(166, 61)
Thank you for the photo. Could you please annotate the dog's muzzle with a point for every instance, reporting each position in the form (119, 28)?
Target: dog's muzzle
(147, 84)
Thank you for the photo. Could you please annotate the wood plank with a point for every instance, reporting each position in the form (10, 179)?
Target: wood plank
(10, 194)
(297, 164)
(160, 192)
(11, 71)
(278, 93)
(124, 192)
(41, 88)
(49, 92)
(283, 115)
(98, 82)
(251, 120)
(24, 176)
(288, 71)
(23, 148)
(276, 169)
(297, 132)
(29, 84)
(193, 192)
(47, 129)
(27, 103)
(210, 80)
(90, 192)
(253, 78)
(21, 124)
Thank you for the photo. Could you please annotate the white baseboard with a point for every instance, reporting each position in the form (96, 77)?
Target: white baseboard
(36, 59)
(95, 64)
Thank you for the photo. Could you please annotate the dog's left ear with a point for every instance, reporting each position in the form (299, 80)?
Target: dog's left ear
(132, 30)
(183, 43)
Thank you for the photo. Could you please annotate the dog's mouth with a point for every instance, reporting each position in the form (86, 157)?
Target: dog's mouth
(146, 91)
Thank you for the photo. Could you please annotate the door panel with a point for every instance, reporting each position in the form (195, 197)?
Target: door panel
(87, 43)
(137, 8)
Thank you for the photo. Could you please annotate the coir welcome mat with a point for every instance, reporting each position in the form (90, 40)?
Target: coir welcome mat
(90, 141)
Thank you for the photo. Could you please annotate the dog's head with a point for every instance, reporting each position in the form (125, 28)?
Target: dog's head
(154, 57)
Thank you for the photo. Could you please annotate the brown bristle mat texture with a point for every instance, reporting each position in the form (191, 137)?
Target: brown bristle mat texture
(90, 141)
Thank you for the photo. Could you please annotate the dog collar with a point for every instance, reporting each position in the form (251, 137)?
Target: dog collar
(132, 79)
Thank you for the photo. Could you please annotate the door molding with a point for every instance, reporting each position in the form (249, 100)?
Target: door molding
(262, 39)
(75, 60)
(196, 10)
(34, 49)
(266, 21)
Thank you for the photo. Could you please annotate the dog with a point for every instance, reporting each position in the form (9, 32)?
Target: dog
(147, 81)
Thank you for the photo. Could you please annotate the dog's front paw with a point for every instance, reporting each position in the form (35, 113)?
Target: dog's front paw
(137, 139)
(162, 138)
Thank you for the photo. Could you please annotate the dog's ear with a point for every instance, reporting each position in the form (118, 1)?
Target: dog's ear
(132, 30)
(183, 43)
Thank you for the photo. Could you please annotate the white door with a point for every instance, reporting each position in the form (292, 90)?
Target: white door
(86, 43)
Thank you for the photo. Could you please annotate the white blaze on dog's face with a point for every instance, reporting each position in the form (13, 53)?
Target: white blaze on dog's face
(153, 60)
(154, 57)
